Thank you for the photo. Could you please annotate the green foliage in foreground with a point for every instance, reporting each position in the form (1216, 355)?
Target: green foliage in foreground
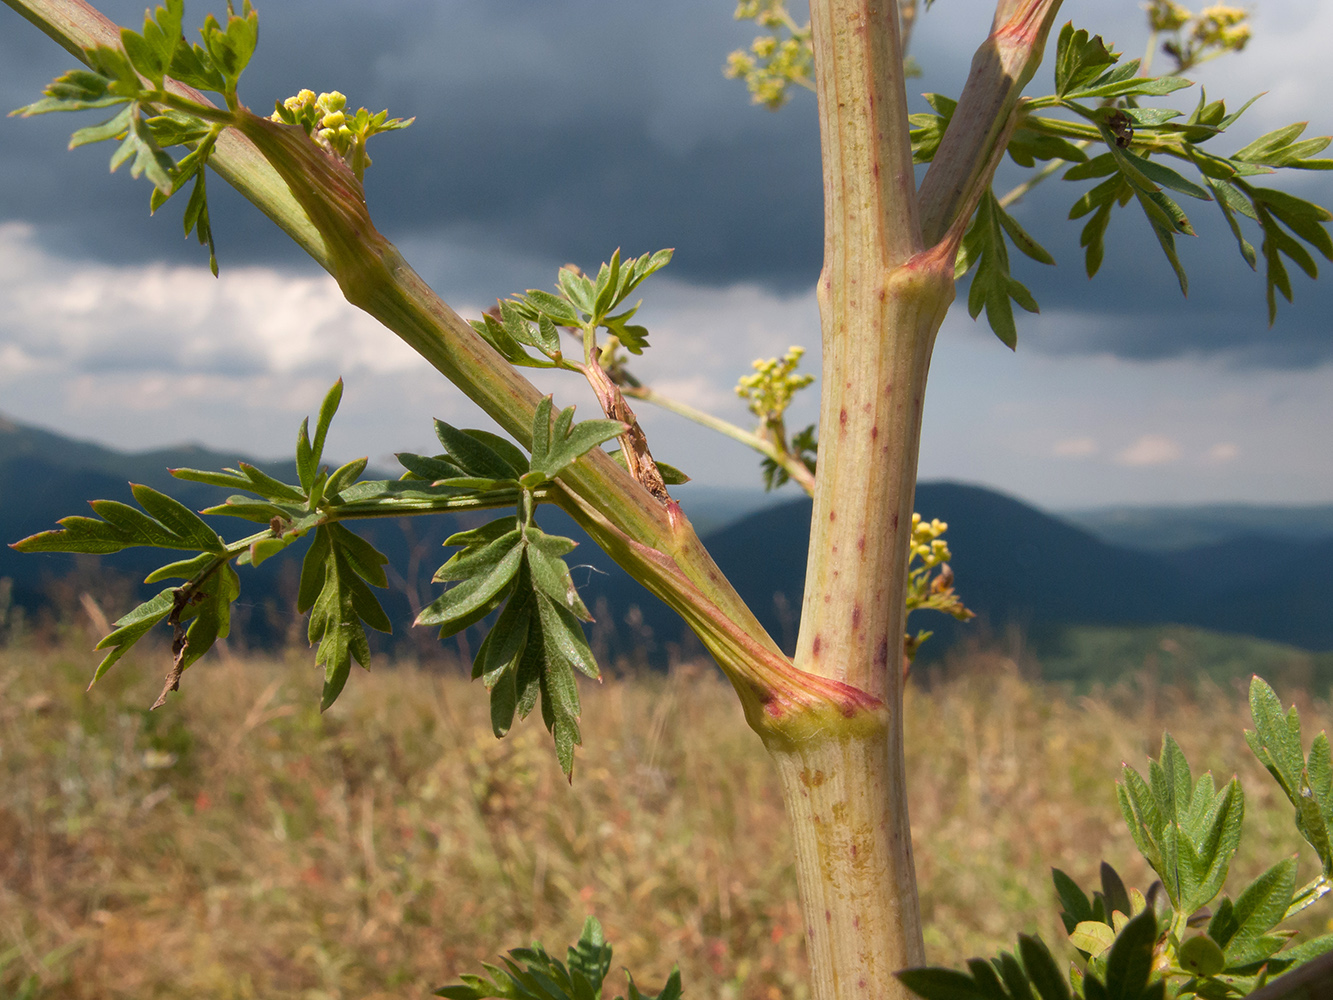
(508, 564)
(1165, 943)
(1103, 95)
(532, 974)
(1132, 945)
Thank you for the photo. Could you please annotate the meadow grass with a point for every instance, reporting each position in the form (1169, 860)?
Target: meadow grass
(238, 844)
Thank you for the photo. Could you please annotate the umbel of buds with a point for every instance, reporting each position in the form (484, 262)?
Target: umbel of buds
(324, 119)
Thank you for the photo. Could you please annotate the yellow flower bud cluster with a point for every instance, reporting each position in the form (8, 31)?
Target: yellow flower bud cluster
(927, 545)
(770, 389)
(1214, 31)
(776, 60)
(766, 13)
(1166, 15)
(1223, 27)
(324, 119)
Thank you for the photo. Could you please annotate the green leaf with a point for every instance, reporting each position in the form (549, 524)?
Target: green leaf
(1276, 738)
(1157, 173)
(196, 218)
(941, 984)
(478, 558)
(1015, 979)
(511, 454)
(475, 453)
(1279, 147)
(928, 130)
(992, 286)
(1261, 906)
(1028, 145)
(555, 448)
(173, 526)
(1130, 961)
(344, 476)
(560, 311)
(577, 288)
(333, 588)
(604, 290)
(1114, 893)
(1042, 969)
(183, 569)
(458, 606)
(1020, 238)
(363, 558)
(77, 90)
(1223, 925)
(327, 409)
(1218, 845)
(1075, 904)
(591, 956)
(193, 66)
(145, 157)
(550, 575)
(114, 127)
(532, 974)
(485, 534)
(499, 652)
(1079, 59)
(312, 572)
(1230, 200)
(1306, 951)
(211, 615)
(184, 523)
(432, 469)
(1201, 956)
(564, 640)
(132, 627)
(493, 332)
(230, 49)
(1092, 937)
(1131, 86)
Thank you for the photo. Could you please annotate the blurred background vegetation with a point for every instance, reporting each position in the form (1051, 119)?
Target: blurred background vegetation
(238, 844)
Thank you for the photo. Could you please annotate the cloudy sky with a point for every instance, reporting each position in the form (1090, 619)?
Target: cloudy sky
(556, 131)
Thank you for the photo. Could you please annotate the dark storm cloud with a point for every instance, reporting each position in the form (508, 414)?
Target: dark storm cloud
(558, 131)
(554, 131)
(1134, 308)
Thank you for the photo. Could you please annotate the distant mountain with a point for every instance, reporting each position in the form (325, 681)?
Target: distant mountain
(1015, 565)
(1174, 529)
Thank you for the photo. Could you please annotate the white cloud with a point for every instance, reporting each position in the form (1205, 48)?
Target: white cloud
(139, 357)
(97, 317)
(1150, 449)
(1081, 447)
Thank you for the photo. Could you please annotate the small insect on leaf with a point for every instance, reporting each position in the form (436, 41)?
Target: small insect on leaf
(1120, 126)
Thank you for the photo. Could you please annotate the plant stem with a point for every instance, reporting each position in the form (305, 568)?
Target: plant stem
(794, 467)
(881, 300)
(886, 285)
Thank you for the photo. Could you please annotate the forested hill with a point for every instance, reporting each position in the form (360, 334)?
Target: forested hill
(1015, 565)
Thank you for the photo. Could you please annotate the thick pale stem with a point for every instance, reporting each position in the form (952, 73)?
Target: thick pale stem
(882, 298)
(853, 857)
(1001, 68)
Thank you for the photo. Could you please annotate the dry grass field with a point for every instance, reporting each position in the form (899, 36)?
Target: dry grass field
(238, 844)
